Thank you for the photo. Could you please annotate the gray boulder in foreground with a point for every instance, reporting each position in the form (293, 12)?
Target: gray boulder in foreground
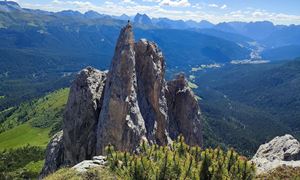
(282, 150)
(84, 166)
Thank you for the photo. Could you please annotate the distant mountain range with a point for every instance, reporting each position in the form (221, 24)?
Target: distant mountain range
(50, 46)
(8, 6)
(39, 48)
(255, 30)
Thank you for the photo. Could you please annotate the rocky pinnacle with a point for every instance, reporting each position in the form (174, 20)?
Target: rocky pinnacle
(131, 103)
(120, 121)
(81, 115)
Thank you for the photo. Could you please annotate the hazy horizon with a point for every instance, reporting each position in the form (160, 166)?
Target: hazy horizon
(280, 12)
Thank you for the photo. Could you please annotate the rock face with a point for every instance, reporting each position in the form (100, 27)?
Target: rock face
(81, 115)
(282, 150)
(55, 155)
(184, 112)
(130, 103)
(150, 69)
(120, 121)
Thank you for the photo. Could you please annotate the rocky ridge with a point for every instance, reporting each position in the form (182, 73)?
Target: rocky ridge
(280, 151)
(82, 114)
(130, 103)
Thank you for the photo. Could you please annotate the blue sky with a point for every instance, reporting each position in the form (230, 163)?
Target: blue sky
(277, 11)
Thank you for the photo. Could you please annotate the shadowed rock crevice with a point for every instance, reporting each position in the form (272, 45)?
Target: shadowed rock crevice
(130, 103)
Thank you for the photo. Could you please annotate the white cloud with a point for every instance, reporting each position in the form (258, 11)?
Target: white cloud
(129, 1)
(172, 3)
(171, 10)
(77, 3)
(213, 5)
(175, 3)
(223, 7)
(261, 15)
(157, 1)
(197, 6)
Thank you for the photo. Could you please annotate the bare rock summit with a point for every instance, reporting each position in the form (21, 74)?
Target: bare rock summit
(121, 122)
(130, 103)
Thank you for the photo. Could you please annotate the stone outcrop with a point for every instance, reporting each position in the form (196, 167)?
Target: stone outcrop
(184, 112)
(96, 161)
(55, 155)
(282, 150)
(82, 114)
(150, 69)
(120, 121)
(77, 141)
(130, 103)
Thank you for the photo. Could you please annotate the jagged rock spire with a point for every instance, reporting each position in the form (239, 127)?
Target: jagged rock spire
(125, 39)
(77, 142)
(130, 103)
(183, 111)
(150, 69)
(81, 115)
(120, 122)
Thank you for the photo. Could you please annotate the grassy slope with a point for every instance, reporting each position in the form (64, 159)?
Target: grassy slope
(25, 128)
(95, 173)
(282, 172)
(22, 135)
(32, 122)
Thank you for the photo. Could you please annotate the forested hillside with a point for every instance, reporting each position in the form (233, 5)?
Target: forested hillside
(25, 131)
(252, 102)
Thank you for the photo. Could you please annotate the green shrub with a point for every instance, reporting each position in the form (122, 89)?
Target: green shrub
(179, 161)
(25, 162)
